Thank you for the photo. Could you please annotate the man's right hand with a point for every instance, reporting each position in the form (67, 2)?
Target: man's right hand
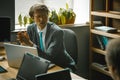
(24, 39)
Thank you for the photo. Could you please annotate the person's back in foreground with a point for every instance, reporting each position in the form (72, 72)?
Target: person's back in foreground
(113, 58)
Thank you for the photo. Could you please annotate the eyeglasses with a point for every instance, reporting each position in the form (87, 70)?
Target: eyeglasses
(40, 15)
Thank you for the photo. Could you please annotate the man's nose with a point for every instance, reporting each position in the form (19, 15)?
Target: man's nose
(41, 19)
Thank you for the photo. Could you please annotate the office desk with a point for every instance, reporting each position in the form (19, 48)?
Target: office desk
(12, 72)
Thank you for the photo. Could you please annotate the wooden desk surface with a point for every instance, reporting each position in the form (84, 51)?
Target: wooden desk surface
(12, 72)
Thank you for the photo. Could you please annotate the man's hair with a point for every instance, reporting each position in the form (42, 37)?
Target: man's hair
(113, 54)
(39, 8)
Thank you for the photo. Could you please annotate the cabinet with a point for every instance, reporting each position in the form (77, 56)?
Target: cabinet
(107, 12)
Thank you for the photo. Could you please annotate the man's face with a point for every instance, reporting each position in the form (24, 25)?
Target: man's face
(41, 19)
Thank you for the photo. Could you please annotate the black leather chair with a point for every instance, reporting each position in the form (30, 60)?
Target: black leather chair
(70, 42)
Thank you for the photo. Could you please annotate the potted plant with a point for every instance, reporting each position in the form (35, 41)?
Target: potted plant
(64, 16)
(23, 20)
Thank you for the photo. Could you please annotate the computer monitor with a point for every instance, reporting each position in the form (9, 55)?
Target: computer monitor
(5, 29)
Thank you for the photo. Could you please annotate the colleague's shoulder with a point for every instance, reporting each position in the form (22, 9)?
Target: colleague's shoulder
(31, 25)
(54, 26)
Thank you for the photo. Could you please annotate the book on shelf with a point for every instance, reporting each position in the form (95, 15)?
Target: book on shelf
(96, 23)
(102, 41)
(104, 67)
(106, 29)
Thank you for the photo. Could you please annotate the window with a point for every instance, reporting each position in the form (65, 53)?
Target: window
(22, 7)
(80, 7)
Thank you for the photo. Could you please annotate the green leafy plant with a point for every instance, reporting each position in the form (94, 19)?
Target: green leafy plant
(23, 20)
(20, 19)
(54, 17)
(30, 20)
(64, 16)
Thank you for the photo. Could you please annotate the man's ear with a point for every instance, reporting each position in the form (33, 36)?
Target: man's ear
(32, 18)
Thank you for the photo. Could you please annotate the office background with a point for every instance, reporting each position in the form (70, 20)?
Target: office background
(7, 8)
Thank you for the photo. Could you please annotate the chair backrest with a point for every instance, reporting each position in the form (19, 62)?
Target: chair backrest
(70, 42)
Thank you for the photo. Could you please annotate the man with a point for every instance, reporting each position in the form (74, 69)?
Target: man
(113, 58)
(52, 37)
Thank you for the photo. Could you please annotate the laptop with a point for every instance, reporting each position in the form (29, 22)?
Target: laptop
(31, 65)
(15, 53)
(58, 75)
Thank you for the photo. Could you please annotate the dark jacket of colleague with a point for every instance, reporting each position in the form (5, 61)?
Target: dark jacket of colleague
(55, 50)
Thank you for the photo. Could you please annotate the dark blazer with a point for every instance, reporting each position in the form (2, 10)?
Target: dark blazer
(55, 50)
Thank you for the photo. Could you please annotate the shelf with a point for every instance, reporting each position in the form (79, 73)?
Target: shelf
(105, 14)
(111, 35)
(100, 69)
(115, 12)
(108, 13)
(99, 51)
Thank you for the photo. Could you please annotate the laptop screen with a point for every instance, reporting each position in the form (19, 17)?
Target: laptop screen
(31, 66)
(58, 75)
(15, 53)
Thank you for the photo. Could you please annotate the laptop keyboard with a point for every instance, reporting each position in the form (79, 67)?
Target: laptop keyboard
(2, 70)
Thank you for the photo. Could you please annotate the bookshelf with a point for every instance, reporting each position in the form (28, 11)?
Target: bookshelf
(106, 11)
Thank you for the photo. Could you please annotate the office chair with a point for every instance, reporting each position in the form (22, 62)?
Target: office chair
(70, 42)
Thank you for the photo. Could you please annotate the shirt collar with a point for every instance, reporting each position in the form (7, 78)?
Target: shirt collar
(43, 30)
